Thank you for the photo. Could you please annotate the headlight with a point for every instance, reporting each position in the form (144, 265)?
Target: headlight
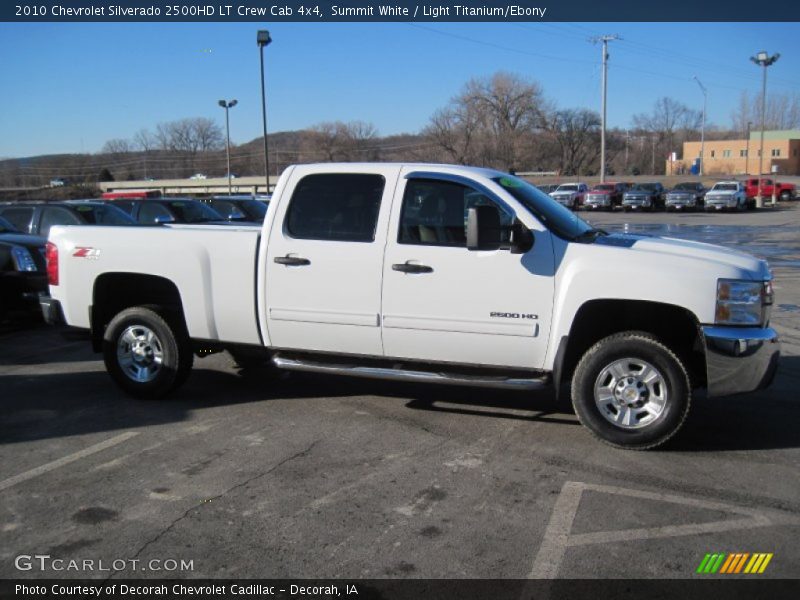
(23, 259)
(742, 302)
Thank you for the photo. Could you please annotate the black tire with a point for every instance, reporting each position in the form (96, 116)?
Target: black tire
(635, 346)
(171, 340)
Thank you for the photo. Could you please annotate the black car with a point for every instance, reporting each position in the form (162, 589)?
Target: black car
(23, 273)
(688, 195)
(240, 208)
(644, 196)
(37, 218)
(169, 210)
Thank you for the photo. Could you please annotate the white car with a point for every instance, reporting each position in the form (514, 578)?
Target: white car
(370, 270)
(198, 176)
(570, 195)
(726, 195)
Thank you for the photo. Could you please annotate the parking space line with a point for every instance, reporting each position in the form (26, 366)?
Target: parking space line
(558, 536)
(65, 460)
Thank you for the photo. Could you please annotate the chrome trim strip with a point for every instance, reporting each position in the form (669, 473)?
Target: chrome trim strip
(408, 375)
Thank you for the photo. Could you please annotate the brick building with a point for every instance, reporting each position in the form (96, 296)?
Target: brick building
(738, 157)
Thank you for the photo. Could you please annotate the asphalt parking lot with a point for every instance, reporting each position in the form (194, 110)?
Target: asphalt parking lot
(317, 476)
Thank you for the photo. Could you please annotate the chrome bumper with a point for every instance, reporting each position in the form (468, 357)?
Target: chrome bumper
(740, 360)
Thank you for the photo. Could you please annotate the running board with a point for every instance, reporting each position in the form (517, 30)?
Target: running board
(290, 364)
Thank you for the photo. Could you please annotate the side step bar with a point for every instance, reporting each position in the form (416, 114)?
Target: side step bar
(291, 364)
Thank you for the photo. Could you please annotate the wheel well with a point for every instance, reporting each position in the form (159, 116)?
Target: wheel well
(673, 325)
(114, 292)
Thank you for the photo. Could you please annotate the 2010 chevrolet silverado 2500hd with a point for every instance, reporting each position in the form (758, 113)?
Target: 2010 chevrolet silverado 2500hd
(430, 273)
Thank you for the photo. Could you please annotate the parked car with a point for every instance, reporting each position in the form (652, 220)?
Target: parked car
(783, 191)
(342, 279)
(169, 210)
(23, 274)
(239, 208)
(688, 195)
(605, 196)
(37, 218)
(547, 188)
(58, 182)
(726, 195)
(644, 196)
(199, 176)
(570, 195)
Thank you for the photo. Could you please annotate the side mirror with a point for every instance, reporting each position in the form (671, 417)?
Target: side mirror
(521, 238)
(483, 228)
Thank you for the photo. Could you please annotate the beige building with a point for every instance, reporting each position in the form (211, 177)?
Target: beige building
(740, 157)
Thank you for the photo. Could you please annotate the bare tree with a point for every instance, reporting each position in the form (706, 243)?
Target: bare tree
(117, 147)
(668, 125)
(782, 111)
(577, 133)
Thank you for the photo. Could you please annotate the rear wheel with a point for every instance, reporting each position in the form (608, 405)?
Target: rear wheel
(631, 391)
(147, 353)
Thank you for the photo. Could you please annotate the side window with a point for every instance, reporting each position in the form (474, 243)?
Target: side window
(19, 218)
(435, 213)
(126, 205)
(55, 215)
(340, 207)
(150, 211)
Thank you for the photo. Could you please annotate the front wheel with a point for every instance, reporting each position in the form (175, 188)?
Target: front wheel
(146, 354)
(631, 391)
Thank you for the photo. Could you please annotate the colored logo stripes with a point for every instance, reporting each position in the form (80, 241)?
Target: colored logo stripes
(737, 562)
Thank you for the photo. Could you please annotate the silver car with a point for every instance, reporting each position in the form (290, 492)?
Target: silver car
(570, 195)
(686, 196)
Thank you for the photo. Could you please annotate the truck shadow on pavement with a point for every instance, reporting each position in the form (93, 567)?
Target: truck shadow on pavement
(53, 405)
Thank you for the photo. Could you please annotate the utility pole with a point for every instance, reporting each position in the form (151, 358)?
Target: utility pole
(747, 151)
(627, 139)
(654, 154)
(763, 59)
(604, 39)
(702, 127)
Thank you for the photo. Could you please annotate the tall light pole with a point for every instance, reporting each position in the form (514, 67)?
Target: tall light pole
(763, 59)
(227, 106)
(263, 39)
(703, 126)
(604, 39)
(747, 151)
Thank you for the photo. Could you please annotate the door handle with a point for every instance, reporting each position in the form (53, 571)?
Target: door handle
(412, 268)
(292, 261)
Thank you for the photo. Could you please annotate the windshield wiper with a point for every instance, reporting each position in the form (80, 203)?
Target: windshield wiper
(590, 235)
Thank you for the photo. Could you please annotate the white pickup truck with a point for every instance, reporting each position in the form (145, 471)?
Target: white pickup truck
(429, 273)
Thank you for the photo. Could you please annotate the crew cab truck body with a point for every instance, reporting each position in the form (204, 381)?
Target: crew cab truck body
(770, 187)
(429, 273)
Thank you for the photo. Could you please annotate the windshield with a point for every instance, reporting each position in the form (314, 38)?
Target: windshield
(557, 218)
(725, 187)
(103, 214)
(644, 187)
(686, 186)
(192, 211)
(6, 227)
(567, 187)
(241, 209)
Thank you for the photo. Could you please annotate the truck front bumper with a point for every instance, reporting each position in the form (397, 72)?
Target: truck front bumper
(740, 359)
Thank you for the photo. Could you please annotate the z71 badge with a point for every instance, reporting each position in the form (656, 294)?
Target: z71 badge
(85, 252)
(510, 315)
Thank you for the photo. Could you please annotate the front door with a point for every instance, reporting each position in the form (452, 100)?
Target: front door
(325, 258)
(443, 302)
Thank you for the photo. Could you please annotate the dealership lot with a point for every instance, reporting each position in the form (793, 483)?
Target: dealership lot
(314, 476)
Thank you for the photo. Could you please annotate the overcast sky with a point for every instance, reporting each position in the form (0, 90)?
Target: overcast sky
(72, 87)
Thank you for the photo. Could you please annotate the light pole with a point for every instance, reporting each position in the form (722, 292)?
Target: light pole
(227, 106)
(747, 151)
(263, 39)
(703, 126)
(763, 59)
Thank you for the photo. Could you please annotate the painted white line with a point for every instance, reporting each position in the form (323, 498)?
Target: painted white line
(65, 460)
(557, 537)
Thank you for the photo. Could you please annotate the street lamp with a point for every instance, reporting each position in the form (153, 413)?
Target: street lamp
(763, 59)
(227, 106)
(263, 39)
(703, 126)
(747, 150)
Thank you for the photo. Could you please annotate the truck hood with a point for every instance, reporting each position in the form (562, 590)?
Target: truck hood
(749, 265)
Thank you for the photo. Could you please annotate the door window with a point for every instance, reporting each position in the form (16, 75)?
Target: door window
(340, 207)
(55, 215)
(435, 213)
(19, 218)
(150, 211)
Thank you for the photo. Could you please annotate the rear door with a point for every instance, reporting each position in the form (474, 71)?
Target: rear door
(325, 258)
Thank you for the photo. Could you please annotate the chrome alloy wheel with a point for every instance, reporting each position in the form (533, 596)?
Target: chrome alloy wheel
(630, 393)
(139, 353)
